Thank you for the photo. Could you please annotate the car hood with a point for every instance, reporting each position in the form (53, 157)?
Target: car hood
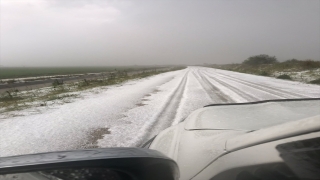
(251, 116)
(211, 132)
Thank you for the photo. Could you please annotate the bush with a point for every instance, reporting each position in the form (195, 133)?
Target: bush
(317, 81)
(260, 59)
(56, 83)
(264, 73)
(284, 76)
(10, 95)
(309, 64)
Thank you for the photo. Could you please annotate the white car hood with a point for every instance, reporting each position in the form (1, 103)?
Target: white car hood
(251, 116)
(210, 132)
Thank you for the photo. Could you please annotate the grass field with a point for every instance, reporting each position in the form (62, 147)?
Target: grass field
(22, 72)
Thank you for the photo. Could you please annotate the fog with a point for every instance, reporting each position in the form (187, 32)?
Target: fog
(108, 33)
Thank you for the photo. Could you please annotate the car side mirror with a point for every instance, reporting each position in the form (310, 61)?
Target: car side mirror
(98, 164)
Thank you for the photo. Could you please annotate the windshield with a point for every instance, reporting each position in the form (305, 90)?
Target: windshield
(82, 74)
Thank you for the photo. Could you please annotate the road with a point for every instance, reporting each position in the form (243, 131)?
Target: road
(131, 113)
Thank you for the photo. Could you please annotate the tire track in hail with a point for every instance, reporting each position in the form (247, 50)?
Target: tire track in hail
(257, 88)
(168, 113)
(204, 87)
(270, 90)
(238, 91)
(216, 95)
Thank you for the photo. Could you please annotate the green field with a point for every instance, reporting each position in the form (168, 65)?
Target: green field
(21, 72)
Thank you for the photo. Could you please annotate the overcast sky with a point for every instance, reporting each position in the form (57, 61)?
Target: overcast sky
(99, 32)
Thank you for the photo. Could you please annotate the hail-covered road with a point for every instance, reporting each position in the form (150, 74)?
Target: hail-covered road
(131, 113)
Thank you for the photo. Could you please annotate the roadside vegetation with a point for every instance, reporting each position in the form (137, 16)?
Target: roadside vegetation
(24, 72)
(13, 101)
(307, 71)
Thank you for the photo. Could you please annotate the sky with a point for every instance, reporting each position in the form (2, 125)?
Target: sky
(162, 32)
